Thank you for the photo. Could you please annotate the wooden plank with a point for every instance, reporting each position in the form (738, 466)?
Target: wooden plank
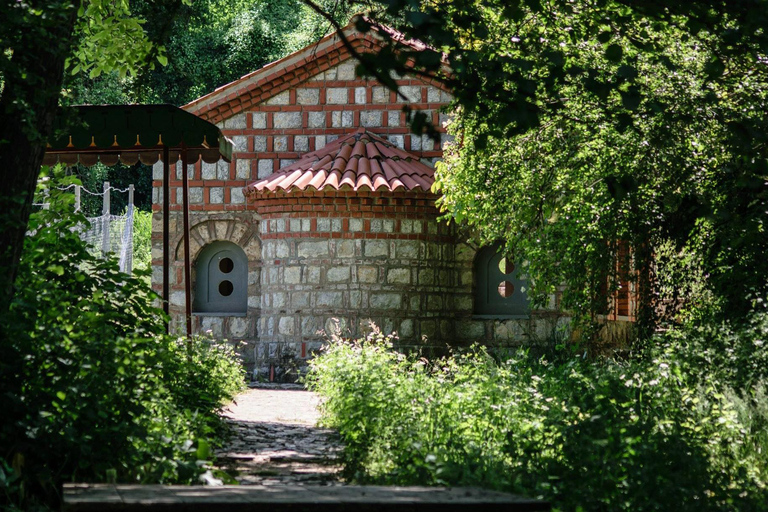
(293, 498)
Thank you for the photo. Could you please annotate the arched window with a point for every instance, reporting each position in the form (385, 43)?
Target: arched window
(499, 291)
(222, 280)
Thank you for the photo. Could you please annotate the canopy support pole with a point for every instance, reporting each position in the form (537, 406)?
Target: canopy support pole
(187, 273)
(166, 233)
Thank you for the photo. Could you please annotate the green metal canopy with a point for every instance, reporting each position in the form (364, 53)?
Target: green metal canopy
(148, 133)
(132, 133)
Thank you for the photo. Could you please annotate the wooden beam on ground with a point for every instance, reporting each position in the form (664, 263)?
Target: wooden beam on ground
(293, 498)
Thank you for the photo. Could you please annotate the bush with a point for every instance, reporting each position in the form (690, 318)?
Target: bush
(637, 435)
(91, 388)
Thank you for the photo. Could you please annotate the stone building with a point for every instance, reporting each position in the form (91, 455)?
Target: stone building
(326, 216)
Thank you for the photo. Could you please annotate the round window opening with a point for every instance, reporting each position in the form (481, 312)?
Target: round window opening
(506, 266)
(226, 265)
(226, 288)
(506, 289)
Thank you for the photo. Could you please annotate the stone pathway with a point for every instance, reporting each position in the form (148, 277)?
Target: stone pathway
(276, 440)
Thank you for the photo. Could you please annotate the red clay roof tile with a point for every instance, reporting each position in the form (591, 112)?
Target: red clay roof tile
(361, 160)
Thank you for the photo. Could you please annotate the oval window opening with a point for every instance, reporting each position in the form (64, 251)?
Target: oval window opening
(226, 265)
(506, 289)
(506, 266)
(226, 288)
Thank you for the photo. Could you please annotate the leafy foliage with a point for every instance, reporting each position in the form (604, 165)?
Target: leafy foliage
(635, 435)
(592, 123)
(213, 42)
(91, 387)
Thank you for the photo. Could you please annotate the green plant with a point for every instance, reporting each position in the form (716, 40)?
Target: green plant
(91, 388)
(588, 435)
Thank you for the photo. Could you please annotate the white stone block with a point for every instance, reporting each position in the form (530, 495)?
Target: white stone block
(265, 168)
(243, 169)
(300, 300)
(337, 274)
(336, 96)
(301, 143)
(216, 195)
(157, 170)
(316, 120)
(240, 143)
(292, 275)
(397, 140)
(259, 143)
(282, 250)
(345, 71)
(319, 142)
(222, 170)
(313, 249)
(307, 96)
(285, 326)
(406, 329)
(330, 299)
(284, 98)
(345, 248)
(407, 249)
(370, 118)
(355, 224)
(280, 143)
(259, 120)
(386, 301)
(360, 95)
(399, 276)
(208, 171)
(367, 274)
(238, 327)
(380, 94)
(412, 94)
(376, 248)
(284, 120)
(236, 122)
(393, 118)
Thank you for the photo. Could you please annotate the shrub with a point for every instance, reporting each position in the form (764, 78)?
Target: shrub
(607, 435)
(91, 388)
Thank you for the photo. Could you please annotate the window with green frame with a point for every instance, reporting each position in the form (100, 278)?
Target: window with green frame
(499, 290)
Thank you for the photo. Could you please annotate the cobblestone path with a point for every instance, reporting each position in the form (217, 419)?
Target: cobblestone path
(275, 440)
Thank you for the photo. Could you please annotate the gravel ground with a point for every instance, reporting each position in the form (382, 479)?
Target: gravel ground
(275, 440)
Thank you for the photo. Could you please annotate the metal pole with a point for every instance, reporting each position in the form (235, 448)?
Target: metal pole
(166, 232)
(105, 220)
(187, 273)
(129, 222)
(77, 198)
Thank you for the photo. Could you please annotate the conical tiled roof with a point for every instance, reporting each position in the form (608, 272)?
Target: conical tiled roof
(359, 161)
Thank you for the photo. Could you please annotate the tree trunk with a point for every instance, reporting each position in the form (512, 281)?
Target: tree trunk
(27, 108)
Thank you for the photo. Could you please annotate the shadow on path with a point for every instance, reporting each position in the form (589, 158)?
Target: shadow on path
(267, 453)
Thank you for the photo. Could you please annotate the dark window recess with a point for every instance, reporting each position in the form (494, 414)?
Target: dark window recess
(499, 291)
(222, 280)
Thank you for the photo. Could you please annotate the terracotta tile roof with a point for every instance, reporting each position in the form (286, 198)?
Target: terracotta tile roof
(359, 161)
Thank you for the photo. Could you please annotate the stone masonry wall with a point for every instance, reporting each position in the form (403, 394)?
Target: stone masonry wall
(353, 259)
(238, 227)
